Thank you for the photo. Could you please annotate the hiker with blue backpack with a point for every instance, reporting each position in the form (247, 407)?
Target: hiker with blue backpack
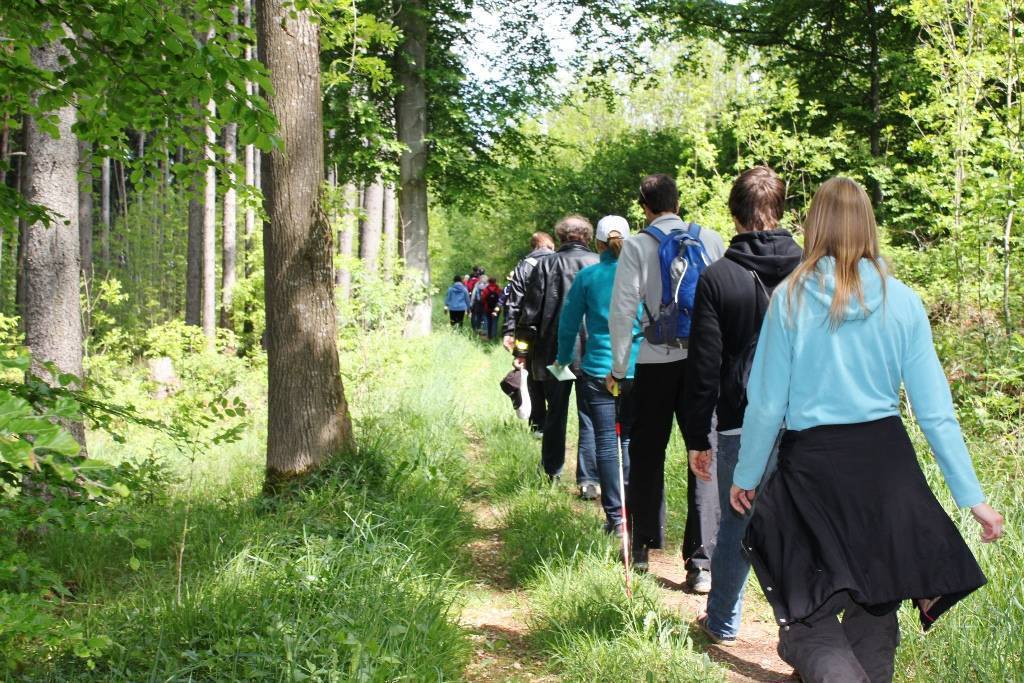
(658, 273)
(729, 307)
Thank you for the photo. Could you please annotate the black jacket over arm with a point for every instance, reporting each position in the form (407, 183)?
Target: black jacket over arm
(537, 322)
(728, 311)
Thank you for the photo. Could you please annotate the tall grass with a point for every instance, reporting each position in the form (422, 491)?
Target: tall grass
(354, 576)
(981, 638)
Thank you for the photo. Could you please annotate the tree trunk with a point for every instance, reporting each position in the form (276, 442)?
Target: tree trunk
(105, 213)
(308, 418)
(194, 256)
(875, 97)
(210, 235)
(343, 278)
(85, 209)
(411, 126)
(390, 226)
(53, 315)
(229, 242)
(370, 226)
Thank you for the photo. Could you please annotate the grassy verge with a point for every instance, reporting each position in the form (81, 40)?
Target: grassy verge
(357, 576)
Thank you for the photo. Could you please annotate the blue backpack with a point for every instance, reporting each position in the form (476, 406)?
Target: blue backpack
(683, 258)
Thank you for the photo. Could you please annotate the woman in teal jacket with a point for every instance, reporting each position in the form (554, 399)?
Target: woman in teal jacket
(587, 303)
(847, 524)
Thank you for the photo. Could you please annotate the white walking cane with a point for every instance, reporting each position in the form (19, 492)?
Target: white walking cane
(626, 550)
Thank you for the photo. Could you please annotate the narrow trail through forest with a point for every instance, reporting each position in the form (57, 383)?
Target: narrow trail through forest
(496, 612)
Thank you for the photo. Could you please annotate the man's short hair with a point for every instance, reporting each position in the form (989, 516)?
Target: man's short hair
(541, 239)
(758, 199)
(659, 193)
(574, 228)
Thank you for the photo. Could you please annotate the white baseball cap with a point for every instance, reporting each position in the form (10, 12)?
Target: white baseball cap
(610, 224)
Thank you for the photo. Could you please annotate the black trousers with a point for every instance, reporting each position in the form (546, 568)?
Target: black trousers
(457, 317)
(538, 403)
(860, 649)
(658, 400)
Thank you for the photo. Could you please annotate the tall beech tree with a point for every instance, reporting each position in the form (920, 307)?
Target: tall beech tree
(308, 419)
(411, 127)
(52, 310)
(371, 226)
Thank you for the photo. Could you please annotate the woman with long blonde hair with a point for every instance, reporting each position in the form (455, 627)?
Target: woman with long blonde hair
(848, 525)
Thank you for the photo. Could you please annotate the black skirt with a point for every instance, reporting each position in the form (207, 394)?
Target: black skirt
(849, 509)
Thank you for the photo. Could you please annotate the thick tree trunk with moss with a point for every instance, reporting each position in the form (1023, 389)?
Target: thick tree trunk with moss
(308, 418)
(52, 310)
(411, 125)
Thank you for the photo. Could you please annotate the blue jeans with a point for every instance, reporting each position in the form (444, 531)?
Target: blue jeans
(601, 406)
(552, 449)
(729, 568)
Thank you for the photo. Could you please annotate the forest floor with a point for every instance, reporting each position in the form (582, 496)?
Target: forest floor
(497, 611)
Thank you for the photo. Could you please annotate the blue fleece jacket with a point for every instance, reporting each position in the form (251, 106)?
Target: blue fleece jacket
(590, 297)
(457, 298)
(806, 374)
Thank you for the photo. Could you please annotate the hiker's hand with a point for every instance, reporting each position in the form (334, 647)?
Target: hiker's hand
(508, 341)
(742, 499)
(611, 384)
(519, 362)
(991, 522)
(700, 464)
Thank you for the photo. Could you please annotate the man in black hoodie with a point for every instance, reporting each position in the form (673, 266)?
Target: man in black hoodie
(730, 304)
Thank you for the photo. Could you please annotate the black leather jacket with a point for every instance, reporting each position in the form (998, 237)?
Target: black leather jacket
(537, 323)
(516, 290)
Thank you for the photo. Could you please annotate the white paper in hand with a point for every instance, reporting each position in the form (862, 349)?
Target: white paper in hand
(561, 372)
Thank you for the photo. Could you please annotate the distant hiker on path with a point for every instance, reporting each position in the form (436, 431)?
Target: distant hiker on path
(476, 302)
(848, 524)
(537, 343)
(587, 305)
(456, 302)
(491, 297)
(660, 377)
(730, 304)
(541, 245)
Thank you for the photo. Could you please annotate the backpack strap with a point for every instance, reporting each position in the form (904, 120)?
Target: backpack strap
(654, 232)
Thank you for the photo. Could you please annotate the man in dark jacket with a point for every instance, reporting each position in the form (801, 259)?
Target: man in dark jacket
(730, 304)
(541, 245)
(537, 343)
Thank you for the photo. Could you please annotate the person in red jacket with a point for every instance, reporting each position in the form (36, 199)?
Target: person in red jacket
(491, 297)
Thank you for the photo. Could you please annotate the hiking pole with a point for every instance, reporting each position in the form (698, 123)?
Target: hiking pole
(626, 550)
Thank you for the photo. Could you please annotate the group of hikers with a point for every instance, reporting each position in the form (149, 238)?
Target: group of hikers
(782, 366)
(480, 296)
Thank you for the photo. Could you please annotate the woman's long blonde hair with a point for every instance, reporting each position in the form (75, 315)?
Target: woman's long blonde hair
(840, 223)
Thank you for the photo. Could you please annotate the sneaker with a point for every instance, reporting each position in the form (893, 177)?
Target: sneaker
(699, 581)
(640, 563)
(589, 492)
(725, 641)
(537, 434)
